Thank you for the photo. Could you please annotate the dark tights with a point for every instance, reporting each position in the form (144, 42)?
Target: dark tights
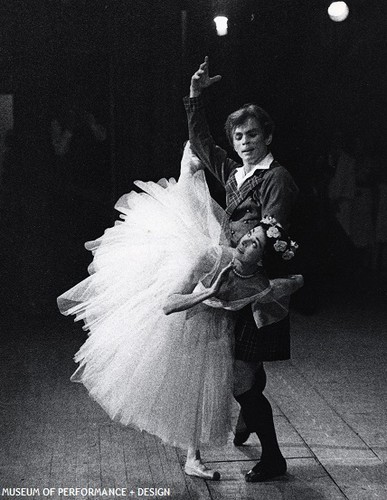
(258, 416)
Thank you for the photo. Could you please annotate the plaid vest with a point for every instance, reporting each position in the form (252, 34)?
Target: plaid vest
(244, 204)
(235, 195)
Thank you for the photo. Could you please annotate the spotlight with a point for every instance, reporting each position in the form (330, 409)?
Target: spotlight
(338, 11)
(221, 25)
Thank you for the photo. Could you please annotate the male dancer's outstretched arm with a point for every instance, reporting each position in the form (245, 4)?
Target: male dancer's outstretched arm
(212, 156)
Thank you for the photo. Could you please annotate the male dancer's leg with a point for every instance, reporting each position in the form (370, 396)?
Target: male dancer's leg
(250, 381)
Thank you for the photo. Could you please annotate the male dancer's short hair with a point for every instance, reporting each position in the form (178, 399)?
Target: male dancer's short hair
(242, 114)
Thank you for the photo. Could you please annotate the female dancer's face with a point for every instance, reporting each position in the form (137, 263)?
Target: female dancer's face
(251, 245)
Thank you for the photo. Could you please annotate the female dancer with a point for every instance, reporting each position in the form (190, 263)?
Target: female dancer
(158, 307)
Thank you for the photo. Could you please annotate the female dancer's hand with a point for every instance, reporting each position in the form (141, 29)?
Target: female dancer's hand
(219, 285)
(201, 79)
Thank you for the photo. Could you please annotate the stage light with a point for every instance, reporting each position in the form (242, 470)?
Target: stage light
(338, 11)
(221, 23)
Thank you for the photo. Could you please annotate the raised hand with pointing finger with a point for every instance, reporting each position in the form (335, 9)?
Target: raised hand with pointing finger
(201, 79)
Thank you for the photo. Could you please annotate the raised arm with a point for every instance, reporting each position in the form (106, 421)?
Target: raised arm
(201, 79)
(213, 157)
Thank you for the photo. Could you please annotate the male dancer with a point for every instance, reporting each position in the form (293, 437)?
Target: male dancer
(258, 188)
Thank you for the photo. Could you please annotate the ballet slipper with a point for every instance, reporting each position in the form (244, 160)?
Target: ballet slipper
(198, 469)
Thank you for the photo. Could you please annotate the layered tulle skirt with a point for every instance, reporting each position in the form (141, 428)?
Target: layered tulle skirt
(168, 375)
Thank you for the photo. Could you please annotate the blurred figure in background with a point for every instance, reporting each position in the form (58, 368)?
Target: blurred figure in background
(83, 181)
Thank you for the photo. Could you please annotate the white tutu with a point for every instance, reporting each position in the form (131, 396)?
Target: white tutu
(169, 375)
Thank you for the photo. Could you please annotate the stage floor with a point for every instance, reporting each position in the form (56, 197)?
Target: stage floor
(329, 402)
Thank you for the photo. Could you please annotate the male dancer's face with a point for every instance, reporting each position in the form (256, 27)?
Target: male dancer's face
(249, 142)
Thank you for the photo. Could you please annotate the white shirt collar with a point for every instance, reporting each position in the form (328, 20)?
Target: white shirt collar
(264, 164)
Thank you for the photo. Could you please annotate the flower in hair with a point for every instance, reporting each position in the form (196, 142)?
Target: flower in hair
(273, 232)
(280, 246)
(283, 244)
(288, 254)
(269, 220)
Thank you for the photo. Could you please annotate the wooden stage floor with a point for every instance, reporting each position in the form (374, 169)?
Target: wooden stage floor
(329, 401)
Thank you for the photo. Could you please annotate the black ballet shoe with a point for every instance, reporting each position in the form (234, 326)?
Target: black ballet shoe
(241, 437)
(264, 472)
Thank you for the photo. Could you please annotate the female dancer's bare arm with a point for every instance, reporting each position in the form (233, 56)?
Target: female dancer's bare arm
(185, 297)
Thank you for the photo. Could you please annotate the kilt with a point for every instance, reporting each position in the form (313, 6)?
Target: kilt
(269, 343)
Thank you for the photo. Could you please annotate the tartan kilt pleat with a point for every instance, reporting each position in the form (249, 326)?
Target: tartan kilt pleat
(269, 343)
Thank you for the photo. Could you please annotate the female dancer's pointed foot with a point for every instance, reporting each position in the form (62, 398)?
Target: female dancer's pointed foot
(198, 469)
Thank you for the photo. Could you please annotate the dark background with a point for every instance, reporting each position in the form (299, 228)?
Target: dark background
(129, 63)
